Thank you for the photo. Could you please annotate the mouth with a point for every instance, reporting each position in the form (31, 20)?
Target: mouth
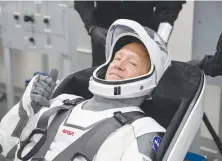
(116, 75)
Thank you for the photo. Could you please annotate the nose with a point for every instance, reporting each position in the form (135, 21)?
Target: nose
(120, 64)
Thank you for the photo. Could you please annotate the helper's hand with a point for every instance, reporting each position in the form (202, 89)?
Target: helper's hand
(37, 94)
(219, 44)
(211, 64)
(98, 35)
(217, 57)
(194, 62)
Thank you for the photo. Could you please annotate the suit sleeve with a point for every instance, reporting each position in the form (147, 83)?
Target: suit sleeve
(144, 148)
(86, 11)
(11, 127)
(168, 11)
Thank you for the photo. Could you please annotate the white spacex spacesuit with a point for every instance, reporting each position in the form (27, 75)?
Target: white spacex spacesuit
(108, 127)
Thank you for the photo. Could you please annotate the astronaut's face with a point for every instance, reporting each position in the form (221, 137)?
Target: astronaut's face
(130, 61)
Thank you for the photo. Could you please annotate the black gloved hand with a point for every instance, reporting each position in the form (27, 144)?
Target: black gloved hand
(211, 64)
(194, 62)
(208, 65)
(98, 35)
(219, 44)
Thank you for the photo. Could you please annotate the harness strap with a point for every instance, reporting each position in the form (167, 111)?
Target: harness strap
(89, 143)
(48, 133)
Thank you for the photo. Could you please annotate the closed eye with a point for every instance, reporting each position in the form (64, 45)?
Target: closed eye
(116, 58)
(134, 64)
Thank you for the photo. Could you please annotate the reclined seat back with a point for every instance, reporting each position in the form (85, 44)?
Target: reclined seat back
(175, 96)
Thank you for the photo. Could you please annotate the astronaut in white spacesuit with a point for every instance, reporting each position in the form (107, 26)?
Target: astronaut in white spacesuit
(108, 127)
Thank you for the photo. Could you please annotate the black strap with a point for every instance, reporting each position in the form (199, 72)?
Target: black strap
(129, 117)
(88, 144)
(62, 112)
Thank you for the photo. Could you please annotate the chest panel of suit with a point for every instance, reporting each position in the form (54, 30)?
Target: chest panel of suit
(78, 123)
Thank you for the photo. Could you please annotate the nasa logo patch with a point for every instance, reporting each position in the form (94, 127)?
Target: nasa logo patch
(156, 143)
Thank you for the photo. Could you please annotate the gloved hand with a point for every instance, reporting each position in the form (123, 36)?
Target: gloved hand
(211, 64)
(37, 94)
(210, 60)
(219, 44)
(98, 35)
(194, 62)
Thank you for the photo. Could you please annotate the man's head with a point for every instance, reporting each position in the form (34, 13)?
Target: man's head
(130, 61)
(136, 59)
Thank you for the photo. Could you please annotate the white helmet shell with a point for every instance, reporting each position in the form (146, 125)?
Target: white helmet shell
(119, 34)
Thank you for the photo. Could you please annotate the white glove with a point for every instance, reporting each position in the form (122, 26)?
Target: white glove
(37, 94)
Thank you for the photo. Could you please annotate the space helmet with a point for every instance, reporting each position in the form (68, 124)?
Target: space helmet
(120, 33)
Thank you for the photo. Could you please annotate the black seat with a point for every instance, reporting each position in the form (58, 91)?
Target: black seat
(177, 90)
